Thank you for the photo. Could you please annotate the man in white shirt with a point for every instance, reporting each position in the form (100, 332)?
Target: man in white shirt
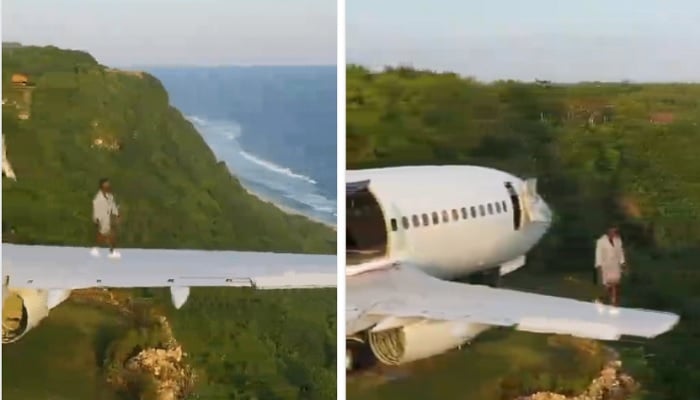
(104, 209)
(610, 262)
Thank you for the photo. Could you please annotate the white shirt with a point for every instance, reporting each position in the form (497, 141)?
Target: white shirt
(609, 255)
(104, 206)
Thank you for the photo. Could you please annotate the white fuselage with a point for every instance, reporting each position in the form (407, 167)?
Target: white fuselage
(452, 221)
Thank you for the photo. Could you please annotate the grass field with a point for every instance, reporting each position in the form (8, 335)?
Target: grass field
(65, 353)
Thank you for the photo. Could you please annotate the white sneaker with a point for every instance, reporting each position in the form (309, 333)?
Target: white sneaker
(95, 252)
(599, 306)
(114, 254)
(614, 310)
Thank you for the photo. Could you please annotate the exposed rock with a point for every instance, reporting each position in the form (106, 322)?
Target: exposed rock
(612, 384)
(166, 366)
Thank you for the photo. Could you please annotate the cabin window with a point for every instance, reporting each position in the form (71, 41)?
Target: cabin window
(464, 212)
(503, 204)
(445, 216)
(498, 208)
(473, 210)
(416, 221)
(482, 210)
(404, 222)
(394, 225)
(490, 208)
(455, 215)
(426, 220)
(436, 220)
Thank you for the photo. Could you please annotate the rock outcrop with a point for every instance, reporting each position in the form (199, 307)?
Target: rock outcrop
(167, 367)
(612, 384)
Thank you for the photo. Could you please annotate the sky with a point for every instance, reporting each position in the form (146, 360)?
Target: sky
(180, 32)
(557, 40)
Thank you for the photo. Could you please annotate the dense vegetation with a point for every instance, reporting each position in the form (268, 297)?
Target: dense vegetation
(603, 152)
(78, 121)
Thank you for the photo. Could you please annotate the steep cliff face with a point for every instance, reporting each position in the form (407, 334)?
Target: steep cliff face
(85, 121)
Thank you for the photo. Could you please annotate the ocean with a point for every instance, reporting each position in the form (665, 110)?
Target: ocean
(274, 127)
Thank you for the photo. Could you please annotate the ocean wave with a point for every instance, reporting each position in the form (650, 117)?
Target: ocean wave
(280, 184)
(274, 167)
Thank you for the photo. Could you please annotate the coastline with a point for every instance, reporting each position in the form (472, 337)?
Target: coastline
(284, 209)
(263, 198)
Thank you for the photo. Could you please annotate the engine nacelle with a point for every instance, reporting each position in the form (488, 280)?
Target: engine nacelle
(23, 309)
(420, 340)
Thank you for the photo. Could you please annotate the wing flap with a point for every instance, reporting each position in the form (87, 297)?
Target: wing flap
(405, 292)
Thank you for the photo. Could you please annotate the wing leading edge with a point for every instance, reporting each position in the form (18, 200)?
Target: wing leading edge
(407, 293)
(57, 267)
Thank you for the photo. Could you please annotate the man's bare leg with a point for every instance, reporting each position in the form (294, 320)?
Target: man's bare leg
(110, 241)
(613, 295)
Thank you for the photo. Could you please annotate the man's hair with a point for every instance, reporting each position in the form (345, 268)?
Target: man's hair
(103, 181)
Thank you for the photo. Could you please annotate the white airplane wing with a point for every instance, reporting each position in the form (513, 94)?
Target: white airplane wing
(57, 267)
(401, 292)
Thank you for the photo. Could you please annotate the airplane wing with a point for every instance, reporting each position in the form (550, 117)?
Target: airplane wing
(58, 267)
(401, 292)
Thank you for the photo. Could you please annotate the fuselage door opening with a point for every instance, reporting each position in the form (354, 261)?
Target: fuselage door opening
(515, 205)
(366, 235)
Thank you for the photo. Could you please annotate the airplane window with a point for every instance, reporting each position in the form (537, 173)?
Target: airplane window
(436, 220)
(455, 215)
(416, 221)
(394, 225)
(464, 212)
(490, 208)
(473, 210)
(445, 216)
(505, 209)
(404, 222)
(482, 211)
(426, 220)
(498, 208)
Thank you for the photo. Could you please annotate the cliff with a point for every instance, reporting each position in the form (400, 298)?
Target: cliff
(70, 121)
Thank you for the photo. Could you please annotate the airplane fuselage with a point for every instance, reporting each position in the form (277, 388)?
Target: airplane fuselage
(452, 221)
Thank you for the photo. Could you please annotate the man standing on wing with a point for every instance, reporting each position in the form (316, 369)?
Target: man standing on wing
(104, 209)
(610, 262)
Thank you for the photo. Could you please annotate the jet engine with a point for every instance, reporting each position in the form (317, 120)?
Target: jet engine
(23, 309)
(423, 339)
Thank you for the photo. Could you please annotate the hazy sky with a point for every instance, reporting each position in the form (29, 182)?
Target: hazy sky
(194, 32)
(560, 40)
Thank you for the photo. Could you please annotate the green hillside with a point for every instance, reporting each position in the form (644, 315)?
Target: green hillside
(74, 121)
(603, 152)
(86, 121)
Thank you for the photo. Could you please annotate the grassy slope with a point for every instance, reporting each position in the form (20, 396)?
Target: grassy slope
(173, 194)
(61, 360)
